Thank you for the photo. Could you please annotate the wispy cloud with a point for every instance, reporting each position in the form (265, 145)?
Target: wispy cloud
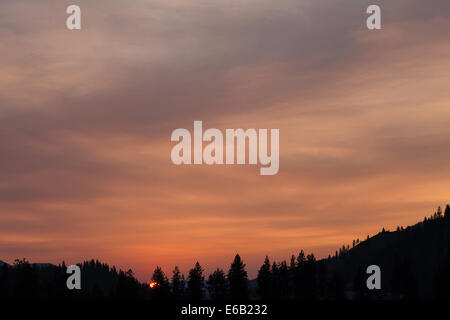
(86, 117)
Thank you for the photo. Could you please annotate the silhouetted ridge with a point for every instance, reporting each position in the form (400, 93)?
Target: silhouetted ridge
(414, 263)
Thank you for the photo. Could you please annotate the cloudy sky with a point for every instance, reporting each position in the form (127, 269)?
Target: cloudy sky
(86, 118)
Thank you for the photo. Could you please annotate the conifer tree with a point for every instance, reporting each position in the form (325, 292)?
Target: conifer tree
(238, 279)
(177, 283)
(161, 289)
(447, 211)
(196, 282)
(264, 279)
(218, 285)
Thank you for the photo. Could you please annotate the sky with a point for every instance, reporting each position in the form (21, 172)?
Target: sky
(86, 118)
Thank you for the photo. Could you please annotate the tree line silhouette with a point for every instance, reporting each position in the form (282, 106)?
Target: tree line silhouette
(415, 263)
(218, 286)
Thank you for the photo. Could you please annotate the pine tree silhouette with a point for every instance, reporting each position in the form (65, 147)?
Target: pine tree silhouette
(161, 289)
(299, 275)
(178, 284)
(415, 263)
(218, 285)
(264, 280)
(196, 282)
(238, 279)
(283, 280)
(447, 212)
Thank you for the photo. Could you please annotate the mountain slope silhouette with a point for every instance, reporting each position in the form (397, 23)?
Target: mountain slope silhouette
(414, 264)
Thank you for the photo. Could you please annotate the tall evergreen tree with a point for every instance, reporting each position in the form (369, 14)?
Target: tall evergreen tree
(292, 270)
(264, 279)
(275, 283)
(218, 285)
(299, 274)
(310, 277)
(301, 259)
(177, 283)
(283, 280)
(196, 282)
(447, 211)
(238, 279)
(293, 263)
(439, 212)
(161, 290)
